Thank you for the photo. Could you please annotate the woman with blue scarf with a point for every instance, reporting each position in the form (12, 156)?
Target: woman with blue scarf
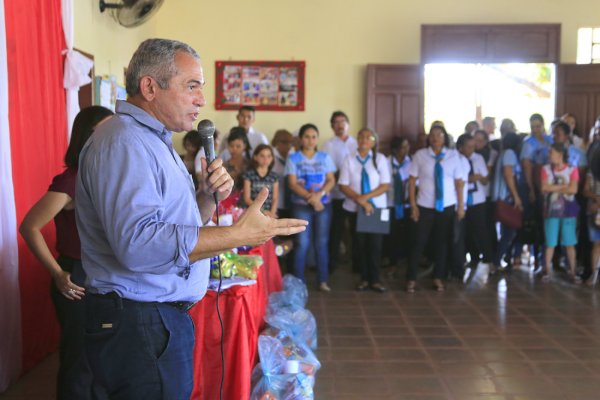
(397, 244)
(440, 196)
(364, 180)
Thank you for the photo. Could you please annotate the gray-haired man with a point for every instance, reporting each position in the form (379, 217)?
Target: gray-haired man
(145, 248)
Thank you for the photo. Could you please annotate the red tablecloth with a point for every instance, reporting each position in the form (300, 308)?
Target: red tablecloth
(242, 309)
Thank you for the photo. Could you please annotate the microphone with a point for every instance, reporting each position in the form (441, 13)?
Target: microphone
(206, 129)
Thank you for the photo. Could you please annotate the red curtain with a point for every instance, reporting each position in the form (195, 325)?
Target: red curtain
(38, 130)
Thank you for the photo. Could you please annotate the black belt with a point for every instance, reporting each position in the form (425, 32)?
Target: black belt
(180, 305)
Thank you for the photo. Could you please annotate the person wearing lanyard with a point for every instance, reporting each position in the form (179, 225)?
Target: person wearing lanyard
(364, 180)
(440, 196)
(397, 243)
(457, 250)
(478, 243)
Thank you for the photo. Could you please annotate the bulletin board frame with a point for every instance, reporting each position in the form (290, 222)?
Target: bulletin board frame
(265, 85)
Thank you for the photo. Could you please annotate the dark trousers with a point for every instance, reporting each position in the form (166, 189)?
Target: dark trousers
(457, 250)
(139, 350)
(490, 223)
(584, 246)
(397, 244)
(366, 252)
(75, 379)
(286, 262)
(477, 234)
(438, 226)
(338, 223)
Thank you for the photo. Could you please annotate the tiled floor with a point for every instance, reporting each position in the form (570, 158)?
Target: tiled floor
(512, 338)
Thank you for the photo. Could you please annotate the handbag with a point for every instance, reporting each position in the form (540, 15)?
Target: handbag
(508, 215)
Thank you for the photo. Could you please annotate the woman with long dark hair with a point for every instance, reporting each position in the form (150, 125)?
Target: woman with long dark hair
(74, 376)
(506, 180)
(398, 243)
(310, 178)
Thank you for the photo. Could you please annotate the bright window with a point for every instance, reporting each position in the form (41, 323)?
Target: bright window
(588, 46)
(458, 93)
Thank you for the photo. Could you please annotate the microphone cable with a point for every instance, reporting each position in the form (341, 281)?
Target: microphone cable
(219, 312)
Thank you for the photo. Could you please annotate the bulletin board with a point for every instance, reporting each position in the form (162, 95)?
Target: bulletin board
(265, 85)
(108, 91)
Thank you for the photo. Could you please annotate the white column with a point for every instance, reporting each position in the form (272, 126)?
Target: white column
(10, 304)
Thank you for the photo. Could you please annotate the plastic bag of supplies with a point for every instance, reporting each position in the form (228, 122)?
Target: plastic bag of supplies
(299, 324)
(281, 373)
(294, 295)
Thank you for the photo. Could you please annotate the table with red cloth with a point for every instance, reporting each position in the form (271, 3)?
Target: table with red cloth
(242, 310)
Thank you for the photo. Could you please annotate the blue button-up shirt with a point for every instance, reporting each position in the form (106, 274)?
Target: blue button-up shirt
(532, 147)
(576, 157)
(136, 212)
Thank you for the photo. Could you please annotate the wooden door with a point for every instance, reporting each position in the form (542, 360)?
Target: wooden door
(86, 92)
(578, 92)
(395, 102)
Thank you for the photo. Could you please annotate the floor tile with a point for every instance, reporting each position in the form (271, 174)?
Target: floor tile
(535, 342)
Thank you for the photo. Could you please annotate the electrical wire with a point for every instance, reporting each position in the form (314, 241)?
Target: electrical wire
(219, 315)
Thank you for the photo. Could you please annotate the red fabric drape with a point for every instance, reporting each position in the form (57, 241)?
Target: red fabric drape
(243, 309)
(38, 134)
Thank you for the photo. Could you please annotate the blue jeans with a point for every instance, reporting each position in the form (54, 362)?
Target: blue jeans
(139, 351)
(507, 236)
(317, 233)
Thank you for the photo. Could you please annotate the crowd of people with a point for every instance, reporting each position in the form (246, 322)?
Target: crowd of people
(483, 197)
(134, 242)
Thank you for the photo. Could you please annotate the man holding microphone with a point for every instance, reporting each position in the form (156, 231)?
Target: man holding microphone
(145, 248)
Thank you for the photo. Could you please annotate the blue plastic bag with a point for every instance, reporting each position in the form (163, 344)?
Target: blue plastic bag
(299, 324)
(294, 295)
(281, 373)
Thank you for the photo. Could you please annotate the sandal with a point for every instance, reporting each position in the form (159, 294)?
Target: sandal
(438, 285)
(378, 287)
(575, 279)
(411, 286)
(592, 280)
(362, 286)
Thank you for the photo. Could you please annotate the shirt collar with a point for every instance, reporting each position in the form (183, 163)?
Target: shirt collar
(397, 164)
(141, 116)
(278, 156)
(444, 151)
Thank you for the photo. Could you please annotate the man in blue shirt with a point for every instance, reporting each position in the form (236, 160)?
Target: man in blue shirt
(532, 146)
(576, 156)
(145, 248)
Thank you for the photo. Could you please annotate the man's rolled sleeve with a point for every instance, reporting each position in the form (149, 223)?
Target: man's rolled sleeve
(187, 237)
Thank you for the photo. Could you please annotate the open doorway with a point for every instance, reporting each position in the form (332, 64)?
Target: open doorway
(458, 93)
